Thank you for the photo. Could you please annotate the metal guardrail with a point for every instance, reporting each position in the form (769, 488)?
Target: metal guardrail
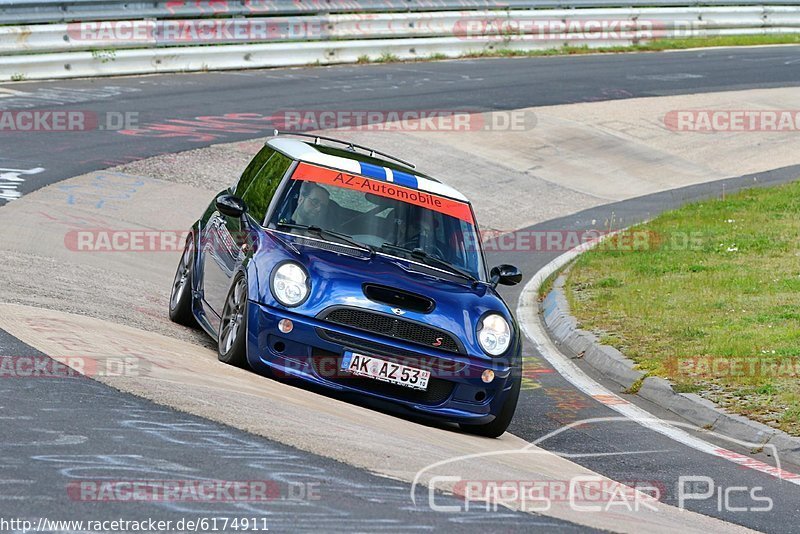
(213, 41)
(49, 11)
(102, 36)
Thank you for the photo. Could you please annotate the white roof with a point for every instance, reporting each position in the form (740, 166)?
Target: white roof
(299, 150)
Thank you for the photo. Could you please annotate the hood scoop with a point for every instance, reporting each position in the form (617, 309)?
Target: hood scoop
(398, 298)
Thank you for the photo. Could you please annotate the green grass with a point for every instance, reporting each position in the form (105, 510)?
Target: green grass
(723, 40)
(387, 57)
(657, 45)
(713, 282)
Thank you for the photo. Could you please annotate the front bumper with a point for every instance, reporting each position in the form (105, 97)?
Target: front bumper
(312, 351)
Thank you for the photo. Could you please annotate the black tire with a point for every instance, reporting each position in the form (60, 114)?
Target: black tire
(496, 428)
(180, 298)
(232, 338)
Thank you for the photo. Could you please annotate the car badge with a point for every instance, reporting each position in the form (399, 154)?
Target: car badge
(398, 311)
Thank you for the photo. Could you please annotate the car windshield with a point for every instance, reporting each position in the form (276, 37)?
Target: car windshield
(387, 217)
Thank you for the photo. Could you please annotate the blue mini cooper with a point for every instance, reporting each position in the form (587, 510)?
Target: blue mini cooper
(343, 266)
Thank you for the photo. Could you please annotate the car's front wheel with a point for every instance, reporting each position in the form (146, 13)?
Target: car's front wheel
(231, 343)
(497, 427)
(180, 298)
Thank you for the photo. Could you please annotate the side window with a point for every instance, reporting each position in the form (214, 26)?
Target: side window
(252, 169)
(261, 189)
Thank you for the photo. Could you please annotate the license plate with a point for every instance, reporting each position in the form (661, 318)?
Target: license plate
(385, 371)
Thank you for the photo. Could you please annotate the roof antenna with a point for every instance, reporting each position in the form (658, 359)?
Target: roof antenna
(350, 146)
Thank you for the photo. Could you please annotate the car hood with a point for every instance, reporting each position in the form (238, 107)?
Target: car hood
(339, 279)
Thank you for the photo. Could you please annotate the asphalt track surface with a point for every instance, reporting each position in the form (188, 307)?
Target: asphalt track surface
(623, 451)
(71, 429)
(496, 84)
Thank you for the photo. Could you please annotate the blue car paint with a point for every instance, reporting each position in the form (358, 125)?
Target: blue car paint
(337, 279)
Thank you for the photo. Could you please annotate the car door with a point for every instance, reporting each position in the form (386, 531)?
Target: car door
(225, 237)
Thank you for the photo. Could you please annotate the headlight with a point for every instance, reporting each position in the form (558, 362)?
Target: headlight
(494, 334)
(290, 284)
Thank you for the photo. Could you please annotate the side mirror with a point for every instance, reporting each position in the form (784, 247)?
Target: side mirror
(231, 206)
(507, 275)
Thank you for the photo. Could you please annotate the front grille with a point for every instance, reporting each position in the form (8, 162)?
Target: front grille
(394, 327)
(438, 390)
(405, 357)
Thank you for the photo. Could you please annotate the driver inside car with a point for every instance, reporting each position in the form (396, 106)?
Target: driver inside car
(312, 205)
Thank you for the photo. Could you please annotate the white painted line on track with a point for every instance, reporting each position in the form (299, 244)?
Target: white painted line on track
(532, 325)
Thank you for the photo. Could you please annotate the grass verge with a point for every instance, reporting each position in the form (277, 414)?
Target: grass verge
(652, 46)
(706, 296)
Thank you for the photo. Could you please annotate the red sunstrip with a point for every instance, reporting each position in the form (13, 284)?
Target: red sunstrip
(454, 208)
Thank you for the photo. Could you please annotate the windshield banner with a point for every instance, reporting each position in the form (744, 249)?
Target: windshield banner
(321, 175)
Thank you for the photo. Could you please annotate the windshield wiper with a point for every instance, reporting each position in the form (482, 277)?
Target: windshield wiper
(433, 261)
(322, 232)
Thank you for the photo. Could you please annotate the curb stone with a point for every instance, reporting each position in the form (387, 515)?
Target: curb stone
(608, 361)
